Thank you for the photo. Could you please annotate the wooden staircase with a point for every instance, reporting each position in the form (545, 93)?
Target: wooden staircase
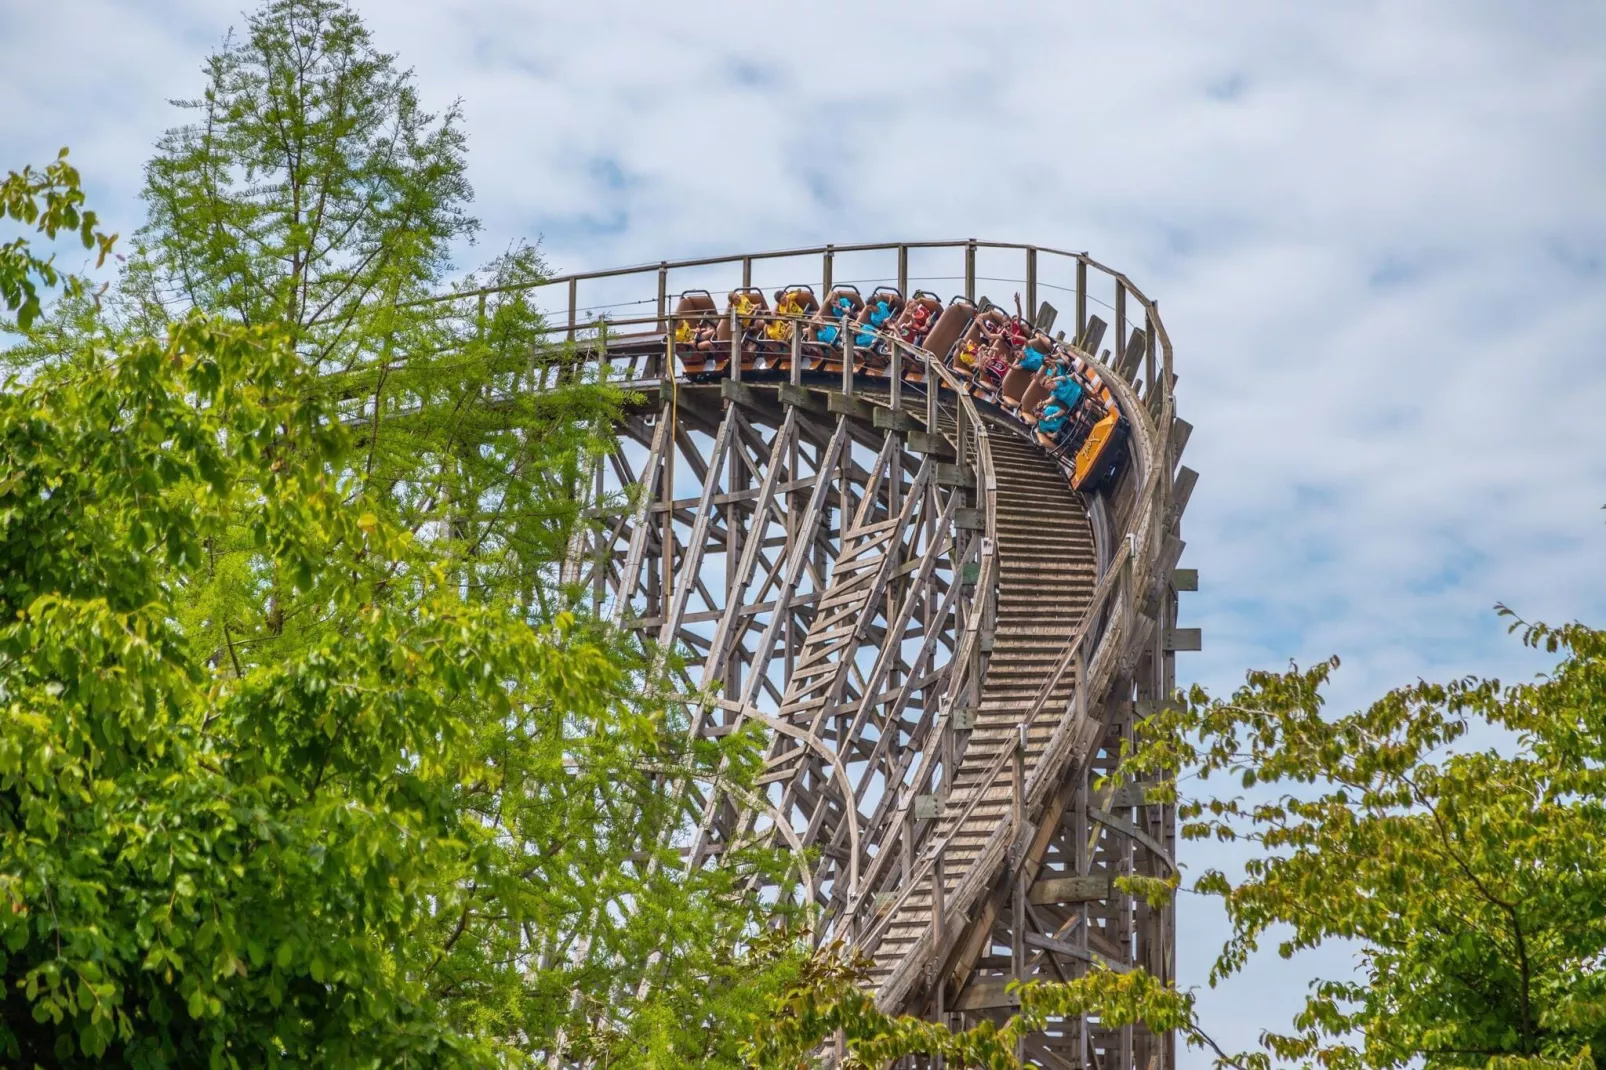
(1047, 573)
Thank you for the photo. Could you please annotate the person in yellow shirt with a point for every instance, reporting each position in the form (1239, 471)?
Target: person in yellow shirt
(790, 305)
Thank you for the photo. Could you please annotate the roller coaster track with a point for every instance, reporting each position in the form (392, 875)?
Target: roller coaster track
(943, 641)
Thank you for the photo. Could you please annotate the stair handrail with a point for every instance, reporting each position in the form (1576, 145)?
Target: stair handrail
(1133, 567)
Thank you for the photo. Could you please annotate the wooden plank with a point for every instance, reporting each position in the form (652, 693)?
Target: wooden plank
(888, 420)
(638, 533)
(1180, 430)
(698, 543)
(1092, 888)
(987, 996)
(1063, 947)
(1182, 489)
(1184, 639)
(843, 405)
(802, 397)
(740, 393)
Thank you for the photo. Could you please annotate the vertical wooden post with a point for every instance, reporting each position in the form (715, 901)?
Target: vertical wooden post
(574, 294)
(906, 858)
(1031, 285)
(666, 536)
(903, 270)
(1148, 354)
(847, 358)
(825, 271)
(796, 371)
(1081, 299)
(895, 367)
(747, 272)
(970, 270)
(599, 569)
(663, 321)
(1120, 321)
(736, 345)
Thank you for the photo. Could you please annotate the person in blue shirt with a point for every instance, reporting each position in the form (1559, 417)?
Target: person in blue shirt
(1031, 358)
(880, 312)
(828, 334)
(1051, 422)
(1064, 388)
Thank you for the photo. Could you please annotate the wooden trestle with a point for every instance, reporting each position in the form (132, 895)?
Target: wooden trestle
(943, 643)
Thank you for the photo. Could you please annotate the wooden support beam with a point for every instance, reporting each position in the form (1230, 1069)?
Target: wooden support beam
(987, 996)
(802, 397)
(739, 393)
(1079, 889)
(890, 420)
(931, 445)
(1184, 639)
(852, 407)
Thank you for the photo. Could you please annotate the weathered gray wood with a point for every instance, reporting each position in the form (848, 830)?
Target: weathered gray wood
(1184, 639)
(1079, 889)
(893, 625)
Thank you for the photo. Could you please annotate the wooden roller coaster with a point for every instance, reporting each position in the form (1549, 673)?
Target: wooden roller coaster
(944, 624)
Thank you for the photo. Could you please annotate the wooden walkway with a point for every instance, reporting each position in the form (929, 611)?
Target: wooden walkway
(1046, 580)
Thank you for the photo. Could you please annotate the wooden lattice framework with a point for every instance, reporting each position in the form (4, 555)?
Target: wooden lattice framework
(851, 560)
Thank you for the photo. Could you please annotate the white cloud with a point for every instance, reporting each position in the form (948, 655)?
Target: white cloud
(1376, 231)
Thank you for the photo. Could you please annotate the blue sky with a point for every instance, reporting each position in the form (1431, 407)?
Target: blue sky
(1377, 233)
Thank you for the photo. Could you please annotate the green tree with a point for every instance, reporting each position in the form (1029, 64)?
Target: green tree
(50, 202)
(1471, 877)
(310, 190)
(372, 838)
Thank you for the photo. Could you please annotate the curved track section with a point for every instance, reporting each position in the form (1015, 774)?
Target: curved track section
(943, 623)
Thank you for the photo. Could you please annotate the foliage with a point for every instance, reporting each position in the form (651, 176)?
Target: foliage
(310, 191)
(829, 1003)
(1473, 878)
(284, 779)
(313, 191)
(371, 845)
(51, 202)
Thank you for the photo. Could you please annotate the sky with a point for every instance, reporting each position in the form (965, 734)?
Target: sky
(1376, 231)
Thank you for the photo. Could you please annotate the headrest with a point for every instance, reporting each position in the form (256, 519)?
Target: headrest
(695, 301)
